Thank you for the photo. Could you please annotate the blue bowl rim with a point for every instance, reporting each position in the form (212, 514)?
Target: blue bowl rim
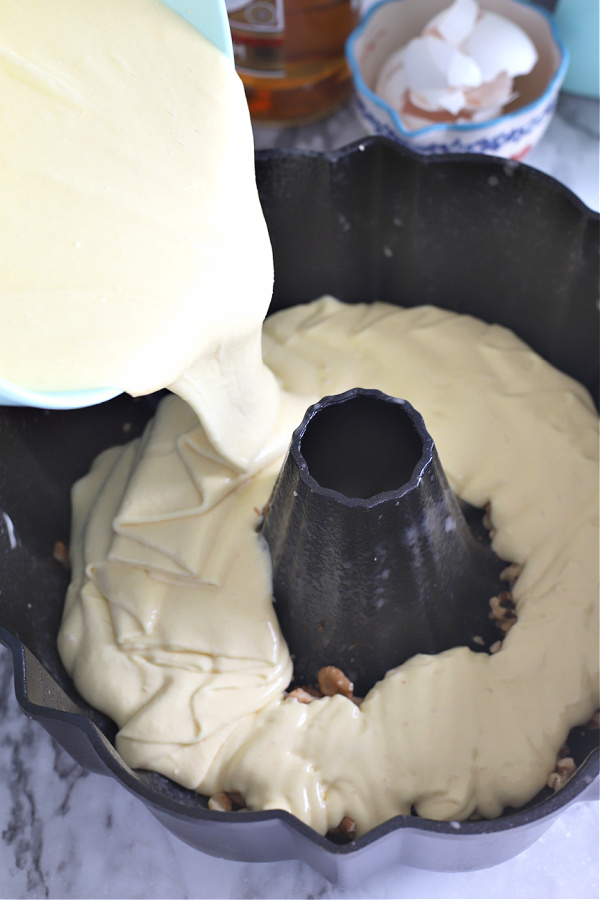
(461, 127)
(15, 395)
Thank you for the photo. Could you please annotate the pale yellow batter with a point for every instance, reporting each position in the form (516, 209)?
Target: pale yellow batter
(133, 249)
(170, 629)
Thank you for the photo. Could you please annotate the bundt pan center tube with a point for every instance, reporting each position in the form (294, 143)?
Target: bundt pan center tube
(373, 561)
(369, 222)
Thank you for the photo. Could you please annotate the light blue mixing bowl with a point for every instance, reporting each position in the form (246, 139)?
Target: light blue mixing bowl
(578, 22)
(210, 18)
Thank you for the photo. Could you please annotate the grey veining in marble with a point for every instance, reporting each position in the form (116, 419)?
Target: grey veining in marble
(67, 833)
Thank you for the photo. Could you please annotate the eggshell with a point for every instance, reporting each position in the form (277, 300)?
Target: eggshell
(498, 45)
(455, 23)
(491, 94)
(432, 63)
(436, 99)
(460, 68)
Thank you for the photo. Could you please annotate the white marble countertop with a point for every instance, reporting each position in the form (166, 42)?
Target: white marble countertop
(67, 833)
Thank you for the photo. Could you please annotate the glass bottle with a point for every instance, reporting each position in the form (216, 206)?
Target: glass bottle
(290, 56)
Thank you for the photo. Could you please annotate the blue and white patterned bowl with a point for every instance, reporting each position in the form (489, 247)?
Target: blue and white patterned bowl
(390, 24)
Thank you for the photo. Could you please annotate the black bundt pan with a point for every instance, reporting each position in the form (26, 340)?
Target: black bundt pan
(369, 222)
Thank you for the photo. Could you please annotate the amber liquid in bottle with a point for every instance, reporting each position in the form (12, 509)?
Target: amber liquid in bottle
(290, 56)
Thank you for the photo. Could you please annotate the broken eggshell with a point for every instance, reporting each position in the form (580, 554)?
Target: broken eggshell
(470, 77)
(462, 66)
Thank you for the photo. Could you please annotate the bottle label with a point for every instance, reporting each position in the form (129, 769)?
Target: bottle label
(256, 15)
(257, 34)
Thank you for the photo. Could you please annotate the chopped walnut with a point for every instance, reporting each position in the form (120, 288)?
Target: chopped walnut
(497, 645)
(225, 801)
(220, 802)
(304, 694)
(495, 609)
(506, 625)
(346, 829)
(487, 520)
(333, 681)
(60, 553)
(502, 606)
(565, 767)
(502, 611)
(511, 573)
